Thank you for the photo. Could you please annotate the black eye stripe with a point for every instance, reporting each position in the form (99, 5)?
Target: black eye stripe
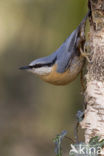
(43, 65)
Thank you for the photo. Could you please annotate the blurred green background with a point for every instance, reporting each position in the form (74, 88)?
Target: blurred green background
(32, 112)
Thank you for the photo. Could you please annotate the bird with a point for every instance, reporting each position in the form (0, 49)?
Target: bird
(65, 64)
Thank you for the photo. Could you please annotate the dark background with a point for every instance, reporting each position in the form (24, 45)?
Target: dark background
(32, 112)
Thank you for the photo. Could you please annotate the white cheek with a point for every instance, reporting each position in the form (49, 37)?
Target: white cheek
(42, 70)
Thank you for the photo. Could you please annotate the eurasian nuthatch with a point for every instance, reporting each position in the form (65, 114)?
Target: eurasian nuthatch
(62, 66)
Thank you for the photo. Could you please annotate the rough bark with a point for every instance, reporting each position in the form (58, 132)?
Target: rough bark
(93, 121)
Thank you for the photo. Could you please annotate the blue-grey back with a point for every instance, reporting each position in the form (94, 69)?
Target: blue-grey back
(62, 56)
(66, 52)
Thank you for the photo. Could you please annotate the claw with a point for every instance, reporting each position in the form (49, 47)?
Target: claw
(86, 55)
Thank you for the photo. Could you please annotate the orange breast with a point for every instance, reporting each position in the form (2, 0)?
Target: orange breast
(66, 77)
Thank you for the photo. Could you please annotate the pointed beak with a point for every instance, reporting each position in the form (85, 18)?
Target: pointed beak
(25, 68)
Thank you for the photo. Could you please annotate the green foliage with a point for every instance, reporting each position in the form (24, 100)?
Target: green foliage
(96, 141)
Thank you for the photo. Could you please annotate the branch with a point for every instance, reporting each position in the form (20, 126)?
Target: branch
(93, 122)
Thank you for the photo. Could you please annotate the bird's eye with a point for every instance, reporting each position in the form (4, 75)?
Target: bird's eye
(41, 65)
(37, 66)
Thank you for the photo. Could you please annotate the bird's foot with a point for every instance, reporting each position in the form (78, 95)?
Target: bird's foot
(86, 55)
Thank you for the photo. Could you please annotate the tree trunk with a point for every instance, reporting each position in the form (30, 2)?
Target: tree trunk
(93, 121)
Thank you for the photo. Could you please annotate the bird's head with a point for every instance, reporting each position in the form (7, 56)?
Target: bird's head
(42, 66)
